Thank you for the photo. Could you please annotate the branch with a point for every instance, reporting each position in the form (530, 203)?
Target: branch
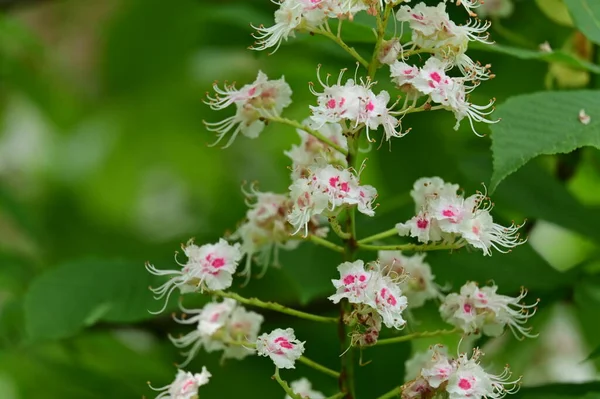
(379, 236)
(410, 247)
(417, 335)
(285, 386)
(343, 45)
(321, 241)
(396, 391)
(308, 130)
(319, 367)
(274, 306)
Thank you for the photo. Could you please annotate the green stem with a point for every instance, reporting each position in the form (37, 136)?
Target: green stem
(410, 247)
(323, 242)
(337, 229)
(285, 385)
(308, 130)
(343, 45)
(274, 306)
(319, 367)
(417, 335)
(391, 394)
(384, 234)
(339, 395)
(381, 25)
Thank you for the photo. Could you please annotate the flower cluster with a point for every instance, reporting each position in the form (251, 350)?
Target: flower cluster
(461, 378)
(373, 288)
(220, 326)
(416, 280)
(210, 266)
(313, 151)
(444, 215)
(355, 103)
(308, 15)
(254, 103)
(432, 81)
(266, 229)
(303, 388)
(325, 191)
(476, 310)
(185, 386)
(281, 346)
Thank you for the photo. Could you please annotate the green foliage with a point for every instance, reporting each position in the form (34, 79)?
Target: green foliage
(542, 123)
(586, 15)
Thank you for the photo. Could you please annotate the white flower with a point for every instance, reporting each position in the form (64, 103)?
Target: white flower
(353, 282)
(254, 102)
(295, 15)
(243, 326)
(477, 310)
(372, 288)
(313, 151)
(423, 20)
(427, 188)
(388, 300)
(442, 214)
(390, 50)
(469, 380)
(403, 73)
(266, 230)
(303, 388)
(417, 285)
(438, 367)
(325, 190)
(281, 346)
(220, 326)
(210, 266)
(356, 103)
(185, 385)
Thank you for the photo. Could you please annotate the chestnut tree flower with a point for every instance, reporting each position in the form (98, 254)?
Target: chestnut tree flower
(281, 346)
(185, 386)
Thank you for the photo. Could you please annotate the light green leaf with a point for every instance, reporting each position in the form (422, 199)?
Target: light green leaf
(557, 56)
(542, 123)
(586, 14)
(78, 294)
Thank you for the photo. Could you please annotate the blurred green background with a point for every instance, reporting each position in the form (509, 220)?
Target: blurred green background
(104, 165)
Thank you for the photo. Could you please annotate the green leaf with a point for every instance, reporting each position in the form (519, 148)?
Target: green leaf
(586, 14)
(73, 295)
(558, 56)
(595, 353)
(542, 123)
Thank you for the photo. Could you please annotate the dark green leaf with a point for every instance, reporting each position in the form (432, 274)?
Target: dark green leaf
(586, 15)
(71, 296)
(542, 123)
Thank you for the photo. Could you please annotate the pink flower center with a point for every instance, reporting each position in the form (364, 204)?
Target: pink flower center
(331, 104)
(422, 223)
(349, 279)
(362, 278)
(284, 343)
(345, 187)
(467, 308)
(436, 77)
(448, 213)
(370, 106)
(187, 385)
(333, 181)
(464, 384)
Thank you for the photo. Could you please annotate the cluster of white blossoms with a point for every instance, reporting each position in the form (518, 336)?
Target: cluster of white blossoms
(185, 386)
(281, 346)
(210, 266)
(356, 104)
(435, 373)
(313, 151)
(326, 190)
(307, 15)
(482, 310)
(219, 326)
(254, 102)
(373, 288)
(415, 277)
(266, 229)
(444, 215)
(303, 388)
